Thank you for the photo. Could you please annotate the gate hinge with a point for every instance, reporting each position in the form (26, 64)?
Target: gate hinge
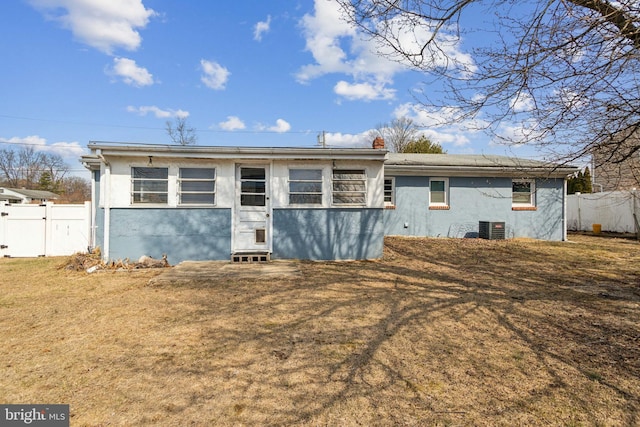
(3, 246)
(4, 214)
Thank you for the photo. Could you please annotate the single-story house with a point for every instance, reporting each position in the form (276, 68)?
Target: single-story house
(24, 196)
(250, 203)
(449, 195)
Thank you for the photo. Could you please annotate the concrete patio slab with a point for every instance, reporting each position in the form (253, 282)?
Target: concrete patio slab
(215, 271)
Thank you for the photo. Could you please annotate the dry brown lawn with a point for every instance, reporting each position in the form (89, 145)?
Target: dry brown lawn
(439, 332)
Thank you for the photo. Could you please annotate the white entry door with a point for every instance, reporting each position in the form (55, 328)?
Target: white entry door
(251, 219)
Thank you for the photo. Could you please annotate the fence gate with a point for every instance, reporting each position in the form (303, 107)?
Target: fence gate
(44, 230)
(24, 230)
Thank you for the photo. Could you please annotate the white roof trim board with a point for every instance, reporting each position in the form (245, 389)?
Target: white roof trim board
(395, 163)
(99, 149)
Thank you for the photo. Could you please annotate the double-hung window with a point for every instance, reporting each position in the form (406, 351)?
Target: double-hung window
(149, 185)
(197, 186)
(523, 193)
(438, 193)
(349, 187)
(305, 186)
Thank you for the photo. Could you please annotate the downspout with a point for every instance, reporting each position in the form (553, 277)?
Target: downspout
(107, 206)
(94, 209)
(564, 210)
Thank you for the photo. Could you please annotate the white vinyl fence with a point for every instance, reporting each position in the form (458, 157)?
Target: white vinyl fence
(613, 210)
(44, 230)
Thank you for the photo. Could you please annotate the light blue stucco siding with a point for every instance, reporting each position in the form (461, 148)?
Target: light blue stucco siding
(328, 234)
(472, 200)
(181, 233)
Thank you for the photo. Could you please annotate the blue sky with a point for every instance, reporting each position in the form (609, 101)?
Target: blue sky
(249, 73)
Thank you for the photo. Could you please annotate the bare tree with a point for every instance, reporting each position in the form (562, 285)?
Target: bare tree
(180, 132)
(23, 167)
(565, 72)
(76, 189)
(396, 134)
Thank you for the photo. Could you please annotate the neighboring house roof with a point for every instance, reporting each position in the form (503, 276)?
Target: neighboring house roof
(27, 194)
(477, 164)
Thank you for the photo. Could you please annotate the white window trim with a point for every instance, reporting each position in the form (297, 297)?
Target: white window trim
(133, 192)
(532, 197)
(393, 190)
(446, 191)
(364, 192)
(179, 186)
(322, 186)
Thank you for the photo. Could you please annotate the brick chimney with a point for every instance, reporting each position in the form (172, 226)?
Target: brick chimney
(378, 143)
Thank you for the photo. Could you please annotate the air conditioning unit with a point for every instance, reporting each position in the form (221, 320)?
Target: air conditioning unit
(491, 230)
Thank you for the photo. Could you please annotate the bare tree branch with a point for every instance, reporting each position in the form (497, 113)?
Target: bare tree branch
(397, 134)
(561, 75)
(180, 132)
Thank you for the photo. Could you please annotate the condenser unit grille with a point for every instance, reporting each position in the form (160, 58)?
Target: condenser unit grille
(491, 230)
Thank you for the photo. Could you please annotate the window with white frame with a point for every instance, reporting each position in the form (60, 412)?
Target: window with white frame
(197, 186)
(349, 187)
(389, 191)
(149, 185)
(523, 192)
(305, 186)
(438, 192)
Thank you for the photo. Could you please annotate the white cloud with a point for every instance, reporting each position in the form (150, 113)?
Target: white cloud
(69, 150)
(261, 28)
(363, 91)
(442, 125)
(338, 47)
(33, 140)
(523, 102)
(362, 139)
(281, 126)
(232, 123)
(130, 72)
(517, 134)
(215, 75)
(66, 150)
(104, 25)
(323, 33)
(158, 112)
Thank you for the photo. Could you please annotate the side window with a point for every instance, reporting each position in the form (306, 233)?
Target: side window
(349, 187)
(305, 186)
(389, 191)
(438, 192)
(197, 186)
(149, 185)
(523, 193)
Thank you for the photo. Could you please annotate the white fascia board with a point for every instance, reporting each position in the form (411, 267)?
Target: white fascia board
(195, 152)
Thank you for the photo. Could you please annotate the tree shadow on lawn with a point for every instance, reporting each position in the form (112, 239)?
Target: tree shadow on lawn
(440, 331)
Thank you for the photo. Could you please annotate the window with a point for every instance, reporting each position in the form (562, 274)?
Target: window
(253, 186)
(349, 187)
(150, 185)
(389, 191)
(197, 186)
(305, 186)
(438, 192)
(523, 193)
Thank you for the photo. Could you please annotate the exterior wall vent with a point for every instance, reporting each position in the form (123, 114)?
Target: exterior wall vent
(491, 230)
